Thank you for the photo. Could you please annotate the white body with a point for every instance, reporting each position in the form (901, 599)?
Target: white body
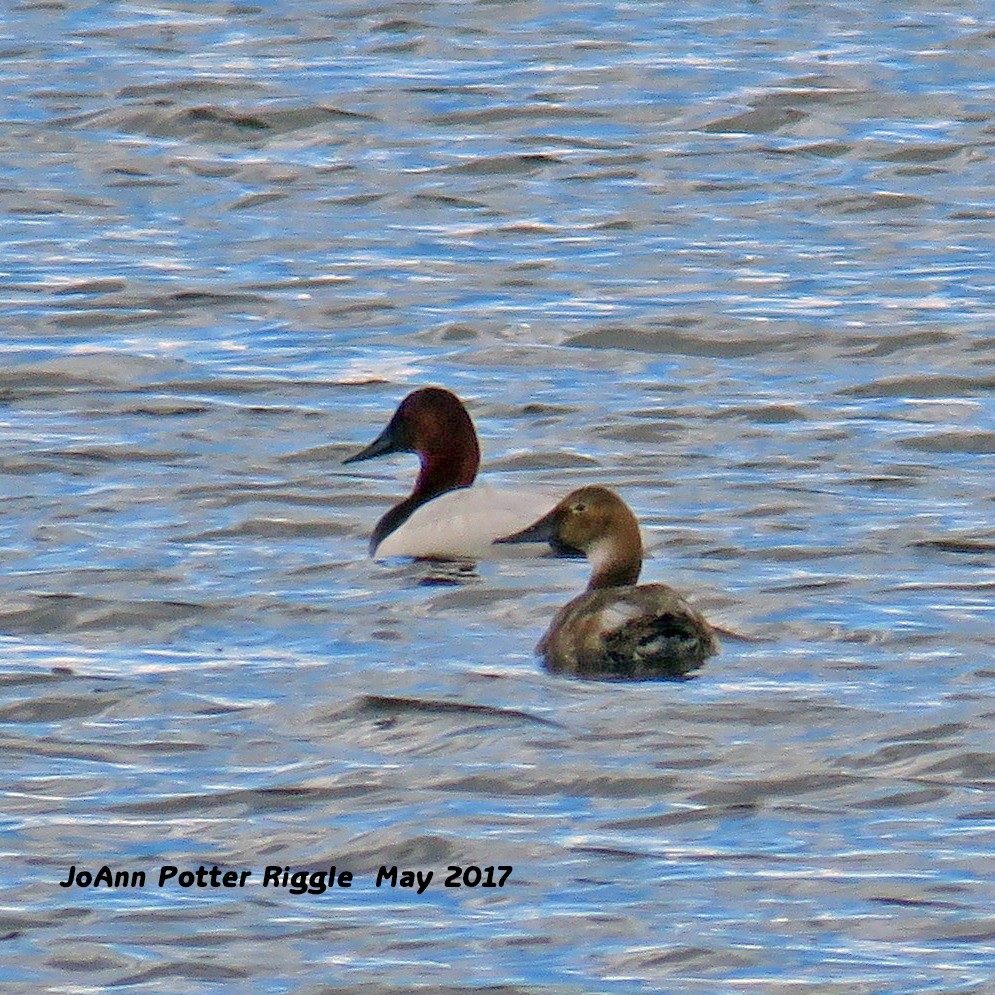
(465, 523)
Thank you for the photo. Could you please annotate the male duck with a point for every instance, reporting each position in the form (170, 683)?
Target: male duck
(446, 515)
(615, 630)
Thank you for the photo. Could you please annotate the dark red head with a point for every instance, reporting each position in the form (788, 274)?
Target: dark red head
(433, 423)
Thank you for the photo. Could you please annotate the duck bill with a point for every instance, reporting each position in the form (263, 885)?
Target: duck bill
(542, 531)
(386, 442)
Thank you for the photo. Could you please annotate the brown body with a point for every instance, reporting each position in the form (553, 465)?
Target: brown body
(616, 630)
(627, 633)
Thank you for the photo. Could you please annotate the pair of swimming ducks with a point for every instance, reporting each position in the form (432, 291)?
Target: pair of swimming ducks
(615, 630)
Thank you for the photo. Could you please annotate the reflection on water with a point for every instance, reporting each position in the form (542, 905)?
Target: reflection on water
(732, 262)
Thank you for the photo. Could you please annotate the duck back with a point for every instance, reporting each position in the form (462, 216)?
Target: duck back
(627, 633)
(464, 523)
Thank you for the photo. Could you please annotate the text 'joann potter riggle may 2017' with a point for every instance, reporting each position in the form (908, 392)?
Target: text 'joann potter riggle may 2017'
(295, 882)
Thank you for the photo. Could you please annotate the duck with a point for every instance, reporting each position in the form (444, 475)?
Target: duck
(615, 630)
(448, 515)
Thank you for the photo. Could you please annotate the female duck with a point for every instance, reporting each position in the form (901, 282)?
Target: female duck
(446, 515)
(616, 630)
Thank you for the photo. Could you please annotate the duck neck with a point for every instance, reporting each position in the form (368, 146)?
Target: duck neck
(616, 560)
(445, 469)
(441, 471)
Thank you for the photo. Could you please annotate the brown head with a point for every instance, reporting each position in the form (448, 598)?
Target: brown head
(601, 525)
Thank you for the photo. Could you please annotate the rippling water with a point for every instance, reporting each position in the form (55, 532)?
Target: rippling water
(733, 260)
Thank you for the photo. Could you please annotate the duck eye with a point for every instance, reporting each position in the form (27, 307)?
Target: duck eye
(579, 508)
